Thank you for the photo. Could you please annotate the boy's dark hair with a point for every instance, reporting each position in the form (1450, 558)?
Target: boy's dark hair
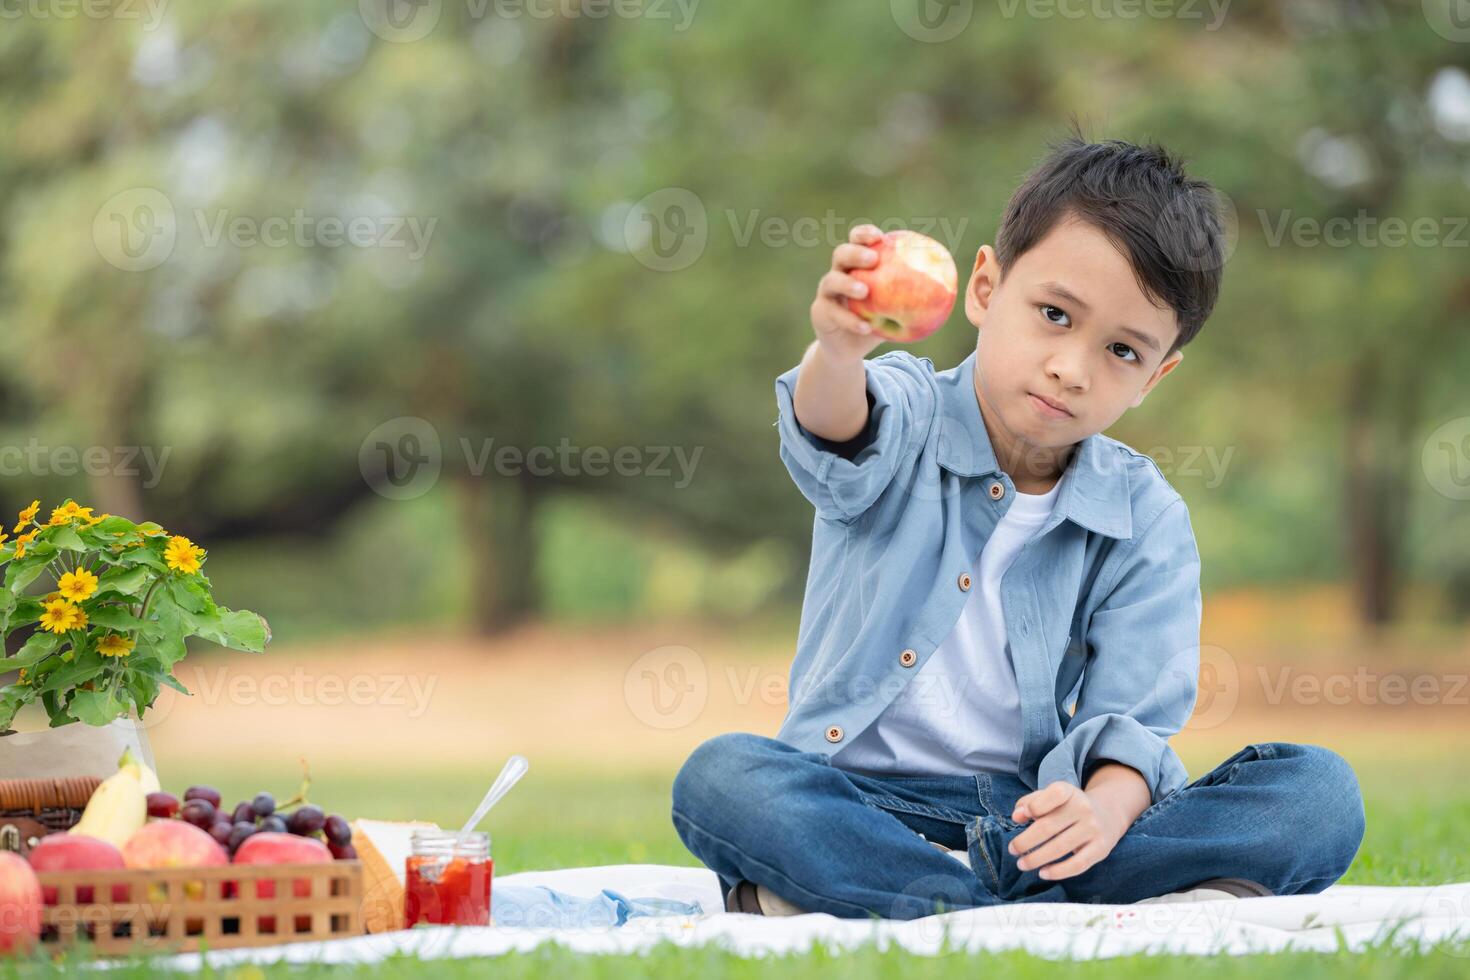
(1169, 226)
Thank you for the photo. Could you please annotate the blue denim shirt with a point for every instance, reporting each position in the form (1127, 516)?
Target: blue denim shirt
(1102, 607)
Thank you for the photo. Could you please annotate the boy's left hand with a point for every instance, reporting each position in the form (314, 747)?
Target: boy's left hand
(1067, 820)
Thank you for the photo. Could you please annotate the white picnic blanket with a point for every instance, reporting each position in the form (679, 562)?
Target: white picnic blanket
(1353, 915)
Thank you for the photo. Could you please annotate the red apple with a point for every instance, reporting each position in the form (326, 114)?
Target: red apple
(173, 844)
(77, 852)
(270, 847)
(911, 290)
(20, 904)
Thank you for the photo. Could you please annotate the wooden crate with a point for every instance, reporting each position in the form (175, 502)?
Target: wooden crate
(179, 909)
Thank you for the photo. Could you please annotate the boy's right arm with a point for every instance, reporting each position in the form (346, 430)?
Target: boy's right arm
(831, 398)
(844, 421)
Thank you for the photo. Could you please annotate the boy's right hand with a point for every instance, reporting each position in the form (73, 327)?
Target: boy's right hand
(840, 331)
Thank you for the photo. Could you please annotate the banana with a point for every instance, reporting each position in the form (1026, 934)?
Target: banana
(146, 777)
(117, 807)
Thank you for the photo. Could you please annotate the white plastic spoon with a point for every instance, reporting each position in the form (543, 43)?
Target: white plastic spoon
(515, 768)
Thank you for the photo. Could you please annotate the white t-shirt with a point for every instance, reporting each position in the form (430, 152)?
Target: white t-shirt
(961, 713)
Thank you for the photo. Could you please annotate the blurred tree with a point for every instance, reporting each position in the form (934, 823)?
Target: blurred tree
(622, 221)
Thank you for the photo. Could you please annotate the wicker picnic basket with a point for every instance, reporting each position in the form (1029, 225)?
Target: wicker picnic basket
(174, 909)
(36, 807)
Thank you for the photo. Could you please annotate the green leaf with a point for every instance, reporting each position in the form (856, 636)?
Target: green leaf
(127, 581)
(27, 610)
(167, 648)
(143, 687)
(114, 525)
(40, 646)
(66, 537)
(68, 676)
(12, 699)
(142, 556)
(96, 707)
(189, 595)
(238, 630)
(19, 574)
(114, 618)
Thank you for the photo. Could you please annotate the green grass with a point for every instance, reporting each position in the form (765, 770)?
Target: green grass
(1417, 812)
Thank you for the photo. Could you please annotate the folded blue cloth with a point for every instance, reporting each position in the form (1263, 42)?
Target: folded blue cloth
(540, 907)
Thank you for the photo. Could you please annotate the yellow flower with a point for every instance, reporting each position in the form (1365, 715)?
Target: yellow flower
(3, 535)
(21, 679)
(59, 616)
(22, 541)
(69, 511)
(114, 645)
(98, 519)
(78, 618)
(27, 515)
(77, 585)
(182, 555)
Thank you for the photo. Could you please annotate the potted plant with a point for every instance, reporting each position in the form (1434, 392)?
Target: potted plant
(107, 604)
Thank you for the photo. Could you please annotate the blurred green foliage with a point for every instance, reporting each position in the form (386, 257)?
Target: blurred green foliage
(518, 148)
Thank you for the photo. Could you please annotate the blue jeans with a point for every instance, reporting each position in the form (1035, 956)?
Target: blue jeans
(829, 840)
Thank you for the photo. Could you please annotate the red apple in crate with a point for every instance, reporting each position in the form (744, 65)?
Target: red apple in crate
(77, 852)
(910, 291)
(173, 844)
(20, 903)
(270, 847)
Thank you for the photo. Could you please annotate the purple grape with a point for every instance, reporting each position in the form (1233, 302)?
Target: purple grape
(221, 831)
(306, 820)
(264, 804)
(337, 830)
(244, 813)
(342, 852)
(238, 834)
(200, 813)
(203, 793)
(162, 805)
(273, 823)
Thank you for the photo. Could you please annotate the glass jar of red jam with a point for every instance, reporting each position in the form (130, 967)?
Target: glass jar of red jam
(448, 885)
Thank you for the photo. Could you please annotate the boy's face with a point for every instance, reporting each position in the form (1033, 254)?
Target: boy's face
(1075, 349)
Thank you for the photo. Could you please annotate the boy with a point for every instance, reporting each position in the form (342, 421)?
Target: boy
(980, 555)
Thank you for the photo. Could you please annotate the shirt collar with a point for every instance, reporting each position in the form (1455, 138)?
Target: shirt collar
(1094, 491)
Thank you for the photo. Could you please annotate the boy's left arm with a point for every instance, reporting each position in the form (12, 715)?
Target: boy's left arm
(1138, 688)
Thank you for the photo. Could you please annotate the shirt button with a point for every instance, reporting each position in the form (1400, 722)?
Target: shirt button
(964, 581)
(908, 658)
(834, 734)
(997, 490)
